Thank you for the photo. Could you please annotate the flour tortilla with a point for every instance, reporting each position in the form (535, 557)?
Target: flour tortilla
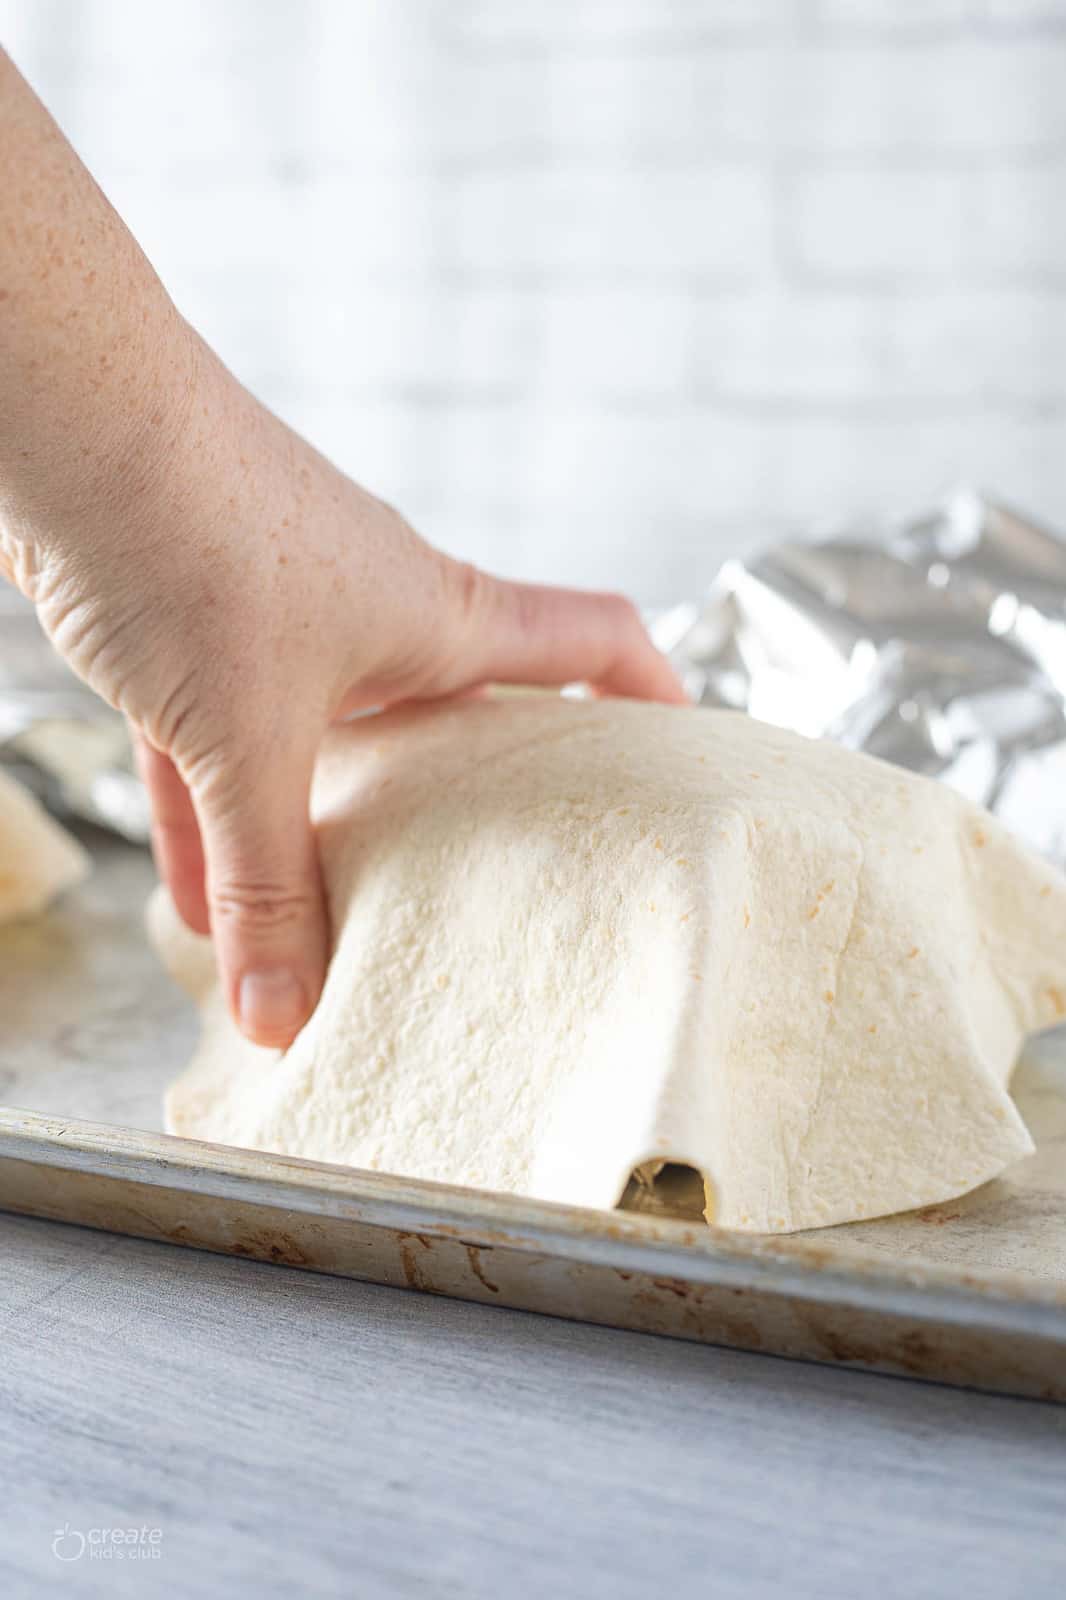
(38, 859)
(578, 939)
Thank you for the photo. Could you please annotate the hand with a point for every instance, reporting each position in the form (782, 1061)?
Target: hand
(233, 593)
(217, 580)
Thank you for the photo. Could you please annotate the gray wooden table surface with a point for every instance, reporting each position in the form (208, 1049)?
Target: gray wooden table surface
(289, 1433)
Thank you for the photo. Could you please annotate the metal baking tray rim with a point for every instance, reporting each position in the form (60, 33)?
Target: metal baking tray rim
(796, 1266)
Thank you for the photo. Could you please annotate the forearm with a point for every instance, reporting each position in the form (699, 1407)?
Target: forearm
(94, 360)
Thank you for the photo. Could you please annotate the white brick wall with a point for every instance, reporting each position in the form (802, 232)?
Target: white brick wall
(603, 289)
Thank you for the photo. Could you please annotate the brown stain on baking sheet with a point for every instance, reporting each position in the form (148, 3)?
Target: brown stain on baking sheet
(486, 1236)
(415, 1247)
(268, 1245)
(409, 1261)
(675, 1307)
(256, 1244)
(912, 1350)
(676, 1286)
(473, 1255)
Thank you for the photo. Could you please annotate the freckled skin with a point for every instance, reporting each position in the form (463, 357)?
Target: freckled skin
(219, 581)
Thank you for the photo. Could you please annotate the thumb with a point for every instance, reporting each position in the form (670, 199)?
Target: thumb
(528, 633)
(264, 889)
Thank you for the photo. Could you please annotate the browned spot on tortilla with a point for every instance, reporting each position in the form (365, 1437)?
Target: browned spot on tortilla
(872, 1028)
(912, 953)
(1046, 890)
(979, 837)
(827, 888)
(1055, 995)
(659, 844)
(829, 997)
(747, 917)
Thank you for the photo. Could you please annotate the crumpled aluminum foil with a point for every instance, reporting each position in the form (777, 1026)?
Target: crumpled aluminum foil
(938, 642)
(56, 736)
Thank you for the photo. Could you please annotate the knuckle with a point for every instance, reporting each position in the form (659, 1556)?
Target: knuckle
(528, 612)
(262, 905)
(173, 724)
(471, 589)
(464, 620)
(210, 767)
(623, 612)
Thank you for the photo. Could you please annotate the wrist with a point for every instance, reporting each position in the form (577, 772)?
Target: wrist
(86, 460)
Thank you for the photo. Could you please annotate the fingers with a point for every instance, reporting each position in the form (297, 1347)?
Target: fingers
(176, 845)
(524, 633)
(264, 889)
(241, 863)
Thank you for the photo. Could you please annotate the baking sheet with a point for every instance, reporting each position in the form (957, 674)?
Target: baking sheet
(973, 1291)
